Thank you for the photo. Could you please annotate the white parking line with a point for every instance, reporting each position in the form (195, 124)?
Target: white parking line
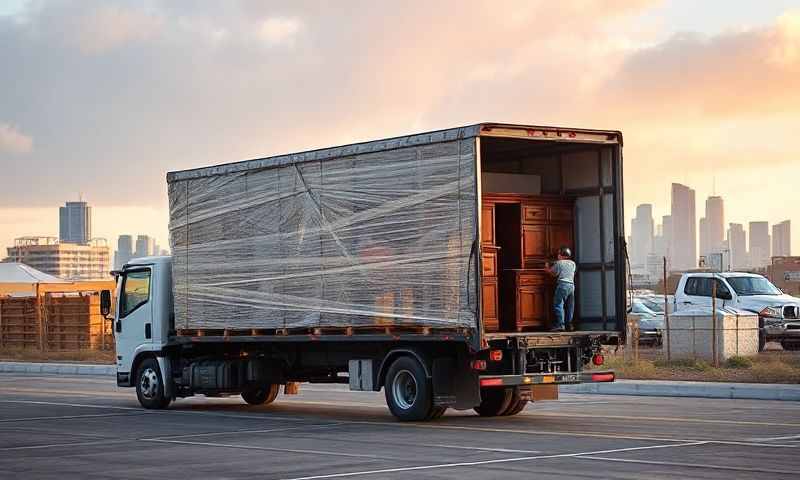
(272, 449)
(481, 449)
(70, 417)
(690, 465)
(772, 439)
(488, 462)
(72, 444)
(233, 432)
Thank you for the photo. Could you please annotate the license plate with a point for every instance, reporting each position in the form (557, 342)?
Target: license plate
(548, 379)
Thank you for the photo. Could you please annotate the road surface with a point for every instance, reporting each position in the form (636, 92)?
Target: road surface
(85, 427)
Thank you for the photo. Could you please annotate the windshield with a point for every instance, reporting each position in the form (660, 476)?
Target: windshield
(753, 286)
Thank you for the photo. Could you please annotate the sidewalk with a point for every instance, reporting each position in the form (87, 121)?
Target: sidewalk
(652, 388)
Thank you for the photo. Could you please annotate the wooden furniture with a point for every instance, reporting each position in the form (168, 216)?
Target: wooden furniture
(489, 289)
(519, 234)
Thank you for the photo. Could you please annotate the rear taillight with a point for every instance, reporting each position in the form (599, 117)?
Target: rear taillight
(491, 382)
(479, 364)
(598, 359)
(602, 377)
(496, 355)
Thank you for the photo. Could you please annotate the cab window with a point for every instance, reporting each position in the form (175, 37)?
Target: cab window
(135, 291)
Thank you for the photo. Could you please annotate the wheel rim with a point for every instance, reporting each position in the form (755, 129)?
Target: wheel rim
(404, 389)
(148, 383)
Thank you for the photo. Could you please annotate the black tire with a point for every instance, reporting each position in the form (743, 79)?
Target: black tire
(261, 394)
(150, 385)
(408, 391)
(516, 405)
(790, 345)
(494, 401)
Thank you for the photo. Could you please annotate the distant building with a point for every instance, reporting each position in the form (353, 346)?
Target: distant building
(782, 239)
(124, 251)
(69, 261)
(712, 227)
(75, 223)
(705, 244)
(641, 235)
(737, 245)
(684, 228)
(759, 244)
(655, 267)
(784, 272)
(145, 246)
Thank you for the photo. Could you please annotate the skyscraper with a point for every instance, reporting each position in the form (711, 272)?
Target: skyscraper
(702, 228)
(782, 239)
(684, 228)
(75, 223)
(715, 224)
(144, 246)
(737, 244)
(124, 251)
(641, 235)
(759, 244)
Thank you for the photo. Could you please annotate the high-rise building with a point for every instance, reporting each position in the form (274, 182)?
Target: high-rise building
(124, 251)
(145, 246)
(712, 227)
(75, 223)
(759, 244)
(684, 228)
(641, 235)
(66, 260)
(737, 245)
(782, 239)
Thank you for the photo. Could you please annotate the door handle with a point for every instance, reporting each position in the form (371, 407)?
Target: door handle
(147, 331)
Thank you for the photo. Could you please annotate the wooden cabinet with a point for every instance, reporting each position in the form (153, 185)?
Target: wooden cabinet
(487, 225)
(519, 234)
(525, 300)
(489, 304)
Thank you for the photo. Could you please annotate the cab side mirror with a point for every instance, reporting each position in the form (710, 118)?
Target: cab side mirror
(725, 295)
(105, 302)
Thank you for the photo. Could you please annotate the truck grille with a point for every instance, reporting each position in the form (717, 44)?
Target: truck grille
(791, 312)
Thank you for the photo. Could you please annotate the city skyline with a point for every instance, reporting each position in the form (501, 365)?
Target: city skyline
(742, 248)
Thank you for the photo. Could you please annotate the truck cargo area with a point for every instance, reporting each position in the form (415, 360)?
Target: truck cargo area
(538, 195)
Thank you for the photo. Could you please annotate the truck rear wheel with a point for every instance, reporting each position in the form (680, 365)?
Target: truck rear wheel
(516, 405)
(408, 391)
(150, 385)
(261, 394)
(494, 401)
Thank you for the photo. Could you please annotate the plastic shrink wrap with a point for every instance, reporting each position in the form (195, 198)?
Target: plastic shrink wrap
(372, 239)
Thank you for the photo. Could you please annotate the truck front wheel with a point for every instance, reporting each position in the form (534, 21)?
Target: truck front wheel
(261, 394)
(409, 394)
(150, 385)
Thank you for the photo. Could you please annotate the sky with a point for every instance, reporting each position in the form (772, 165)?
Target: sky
(99, 99)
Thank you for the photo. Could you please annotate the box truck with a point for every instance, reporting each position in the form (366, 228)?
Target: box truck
(414, 264)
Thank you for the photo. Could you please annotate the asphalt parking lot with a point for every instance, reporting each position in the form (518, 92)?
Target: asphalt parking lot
(85, 427)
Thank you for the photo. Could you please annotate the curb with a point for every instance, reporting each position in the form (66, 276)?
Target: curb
(58, 368)
(661, 388)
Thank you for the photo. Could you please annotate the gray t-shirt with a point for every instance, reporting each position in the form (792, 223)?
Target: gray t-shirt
(564, 270)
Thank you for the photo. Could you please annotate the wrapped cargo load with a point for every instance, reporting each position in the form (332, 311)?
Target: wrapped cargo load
(330, 238)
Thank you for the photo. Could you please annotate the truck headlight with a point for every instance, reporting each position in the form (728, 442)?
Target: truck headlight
(770, 312)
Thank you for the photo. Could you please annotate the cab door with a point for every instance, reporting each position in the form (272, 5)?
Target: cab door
(698, 290)
(133, 326)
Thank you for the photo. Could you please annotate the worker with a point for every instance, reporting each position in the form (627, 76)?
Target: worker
(563, 269)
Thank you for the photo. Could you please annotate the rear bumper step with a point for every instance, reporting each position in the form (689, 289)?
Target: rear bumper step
(546, 379)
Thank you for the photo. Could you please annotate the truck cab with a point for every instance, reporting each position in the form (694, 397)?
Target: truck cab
(779, 313)
(142, 314)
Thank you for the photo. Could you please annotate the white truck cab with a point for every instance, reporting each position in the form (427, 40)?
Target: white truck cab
(143, 314)
(779, 313)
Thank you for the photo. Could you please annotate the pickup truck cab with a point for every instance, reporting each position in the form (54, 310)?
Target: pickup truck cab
(779, 313)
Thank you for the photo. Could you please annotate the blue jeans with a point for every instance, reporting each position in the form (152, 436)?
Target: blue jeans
(563, 304)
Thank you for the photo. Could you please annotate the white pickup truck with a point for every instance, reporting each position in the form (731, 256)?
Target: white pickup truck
(779, 313)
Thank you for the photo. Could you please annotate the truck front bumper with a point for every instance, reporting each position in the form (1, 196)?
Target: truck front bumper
(546, 379)
(779, 331)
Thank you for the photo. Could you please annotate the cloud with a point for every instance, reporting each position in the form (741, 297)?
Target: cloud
(693, 76)
(14, 141)
(108, 27)
(279, 30)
